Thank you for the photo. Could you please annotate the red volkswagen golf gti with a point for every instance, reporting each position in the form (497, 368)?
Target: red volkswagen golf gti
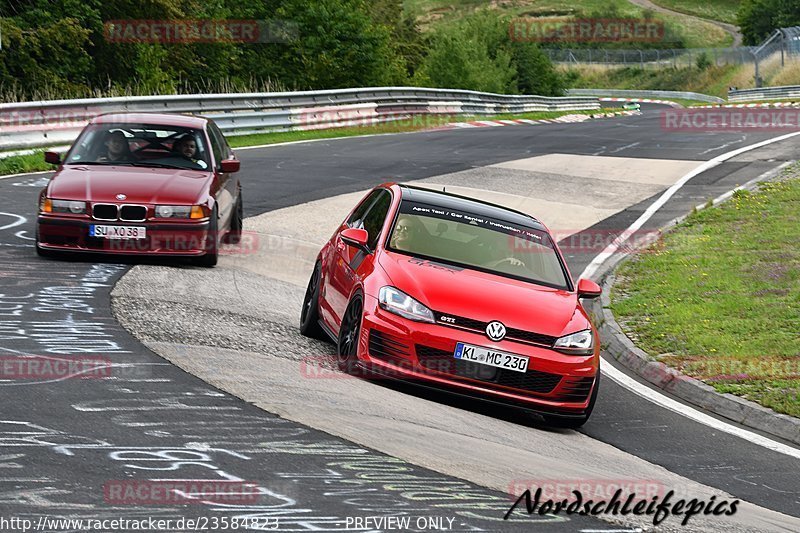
(143, 183)
(451, 292)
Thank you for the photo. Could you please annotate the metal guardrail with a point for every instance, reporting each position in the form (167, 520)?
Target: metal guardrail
(765, 93)
(29, 125)
(623, 93)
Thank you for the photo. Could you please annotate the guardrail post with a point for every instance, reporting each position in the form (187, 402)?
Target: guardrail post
(783, 45)
(758, 78)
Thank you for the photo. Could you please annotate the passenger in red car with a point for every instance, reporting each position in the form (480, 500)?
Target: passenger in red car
(186, 146)
(117, 148)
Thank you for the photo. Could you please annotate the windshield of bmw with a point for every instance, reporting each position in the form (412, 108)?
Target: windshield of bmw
(463, 239)
(144, 145)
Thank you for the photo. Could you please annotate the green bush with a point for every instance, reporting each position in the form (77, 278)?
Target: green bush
(470, 54)
(703, 61)
(477, 53)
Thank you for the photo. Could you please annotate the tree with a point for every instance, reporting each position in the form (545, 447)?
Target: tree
(337, 46)
(759, 18)
(536, 73)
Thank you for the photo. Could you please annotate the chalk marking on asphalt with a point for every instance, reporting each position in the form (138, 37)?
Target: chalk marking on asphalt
(25, 174)
(637, 530)
(20, 220)
(650, 393)
(621, 148)
(704, 152)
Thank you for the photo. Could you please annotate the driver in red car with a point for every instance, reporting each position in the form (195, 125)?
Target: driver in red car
(117, 148)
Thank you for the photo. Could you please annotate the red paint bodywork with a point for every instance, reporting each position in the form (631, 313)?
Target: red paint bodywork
(142, 186)
(466, 293)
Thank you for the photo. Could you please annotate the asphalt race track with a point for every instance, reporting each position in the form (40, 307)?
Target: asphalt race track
(64, 443)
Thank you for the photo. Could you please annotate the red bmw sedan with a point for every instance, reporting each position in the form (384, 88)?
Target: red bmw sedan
(459, 294)
(143, 183)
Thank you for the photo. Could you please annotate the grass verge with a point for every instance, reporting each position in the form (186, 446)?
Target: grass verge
(400, 126)
(21, 164)
(722, 10)
(718, 297)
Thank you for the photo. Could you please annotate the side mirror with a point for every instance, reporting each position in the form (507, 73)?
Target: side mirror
(54, 158)
(229, 166)
(355, 237)
(588, 289)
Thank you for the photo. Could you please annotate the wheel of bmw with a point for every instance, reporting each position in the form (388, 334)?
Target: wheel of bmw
(210, 258)
(347, 347)
(309, 316)
(575, 423)
(237, 222)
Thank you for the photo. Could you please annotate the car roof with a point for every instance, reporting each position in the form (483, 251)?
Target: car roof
(476, 207)
(158, 119)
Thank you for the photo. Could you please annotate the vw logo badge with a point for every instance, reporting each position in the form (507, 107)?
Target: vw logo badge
(121, 197)
(496, 331)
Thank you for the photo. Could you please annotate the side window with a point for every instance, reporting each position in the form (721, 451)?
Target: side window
(356, 220)
(216, 148)
(221, 141)
(376, 216)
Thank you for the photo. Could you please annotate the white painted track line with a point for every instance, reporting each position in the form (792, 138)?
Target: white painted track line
(693, 414)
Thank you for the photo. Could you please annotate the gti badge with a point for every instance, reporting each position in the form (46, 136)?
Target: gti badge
(496, 331)
(121, 197)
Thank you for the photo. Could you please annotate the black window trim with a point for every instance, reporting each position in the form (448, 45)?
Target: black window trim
(372, 203)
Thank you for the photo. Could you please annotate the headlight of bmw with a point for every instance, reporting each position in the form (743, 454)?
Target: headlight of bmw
(580, 343)
(180, 211)
(397, 302)
(73, 207)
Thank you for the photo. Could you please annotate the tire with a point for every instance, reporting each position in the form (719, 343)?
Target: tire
(349, 332)
(237, 222)
(575, 423)
(211, 257)
(309, 316)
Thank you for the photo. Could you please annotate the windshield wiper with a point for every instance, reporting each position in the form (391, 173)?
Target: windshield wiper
(155, 165)
(83, 163)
